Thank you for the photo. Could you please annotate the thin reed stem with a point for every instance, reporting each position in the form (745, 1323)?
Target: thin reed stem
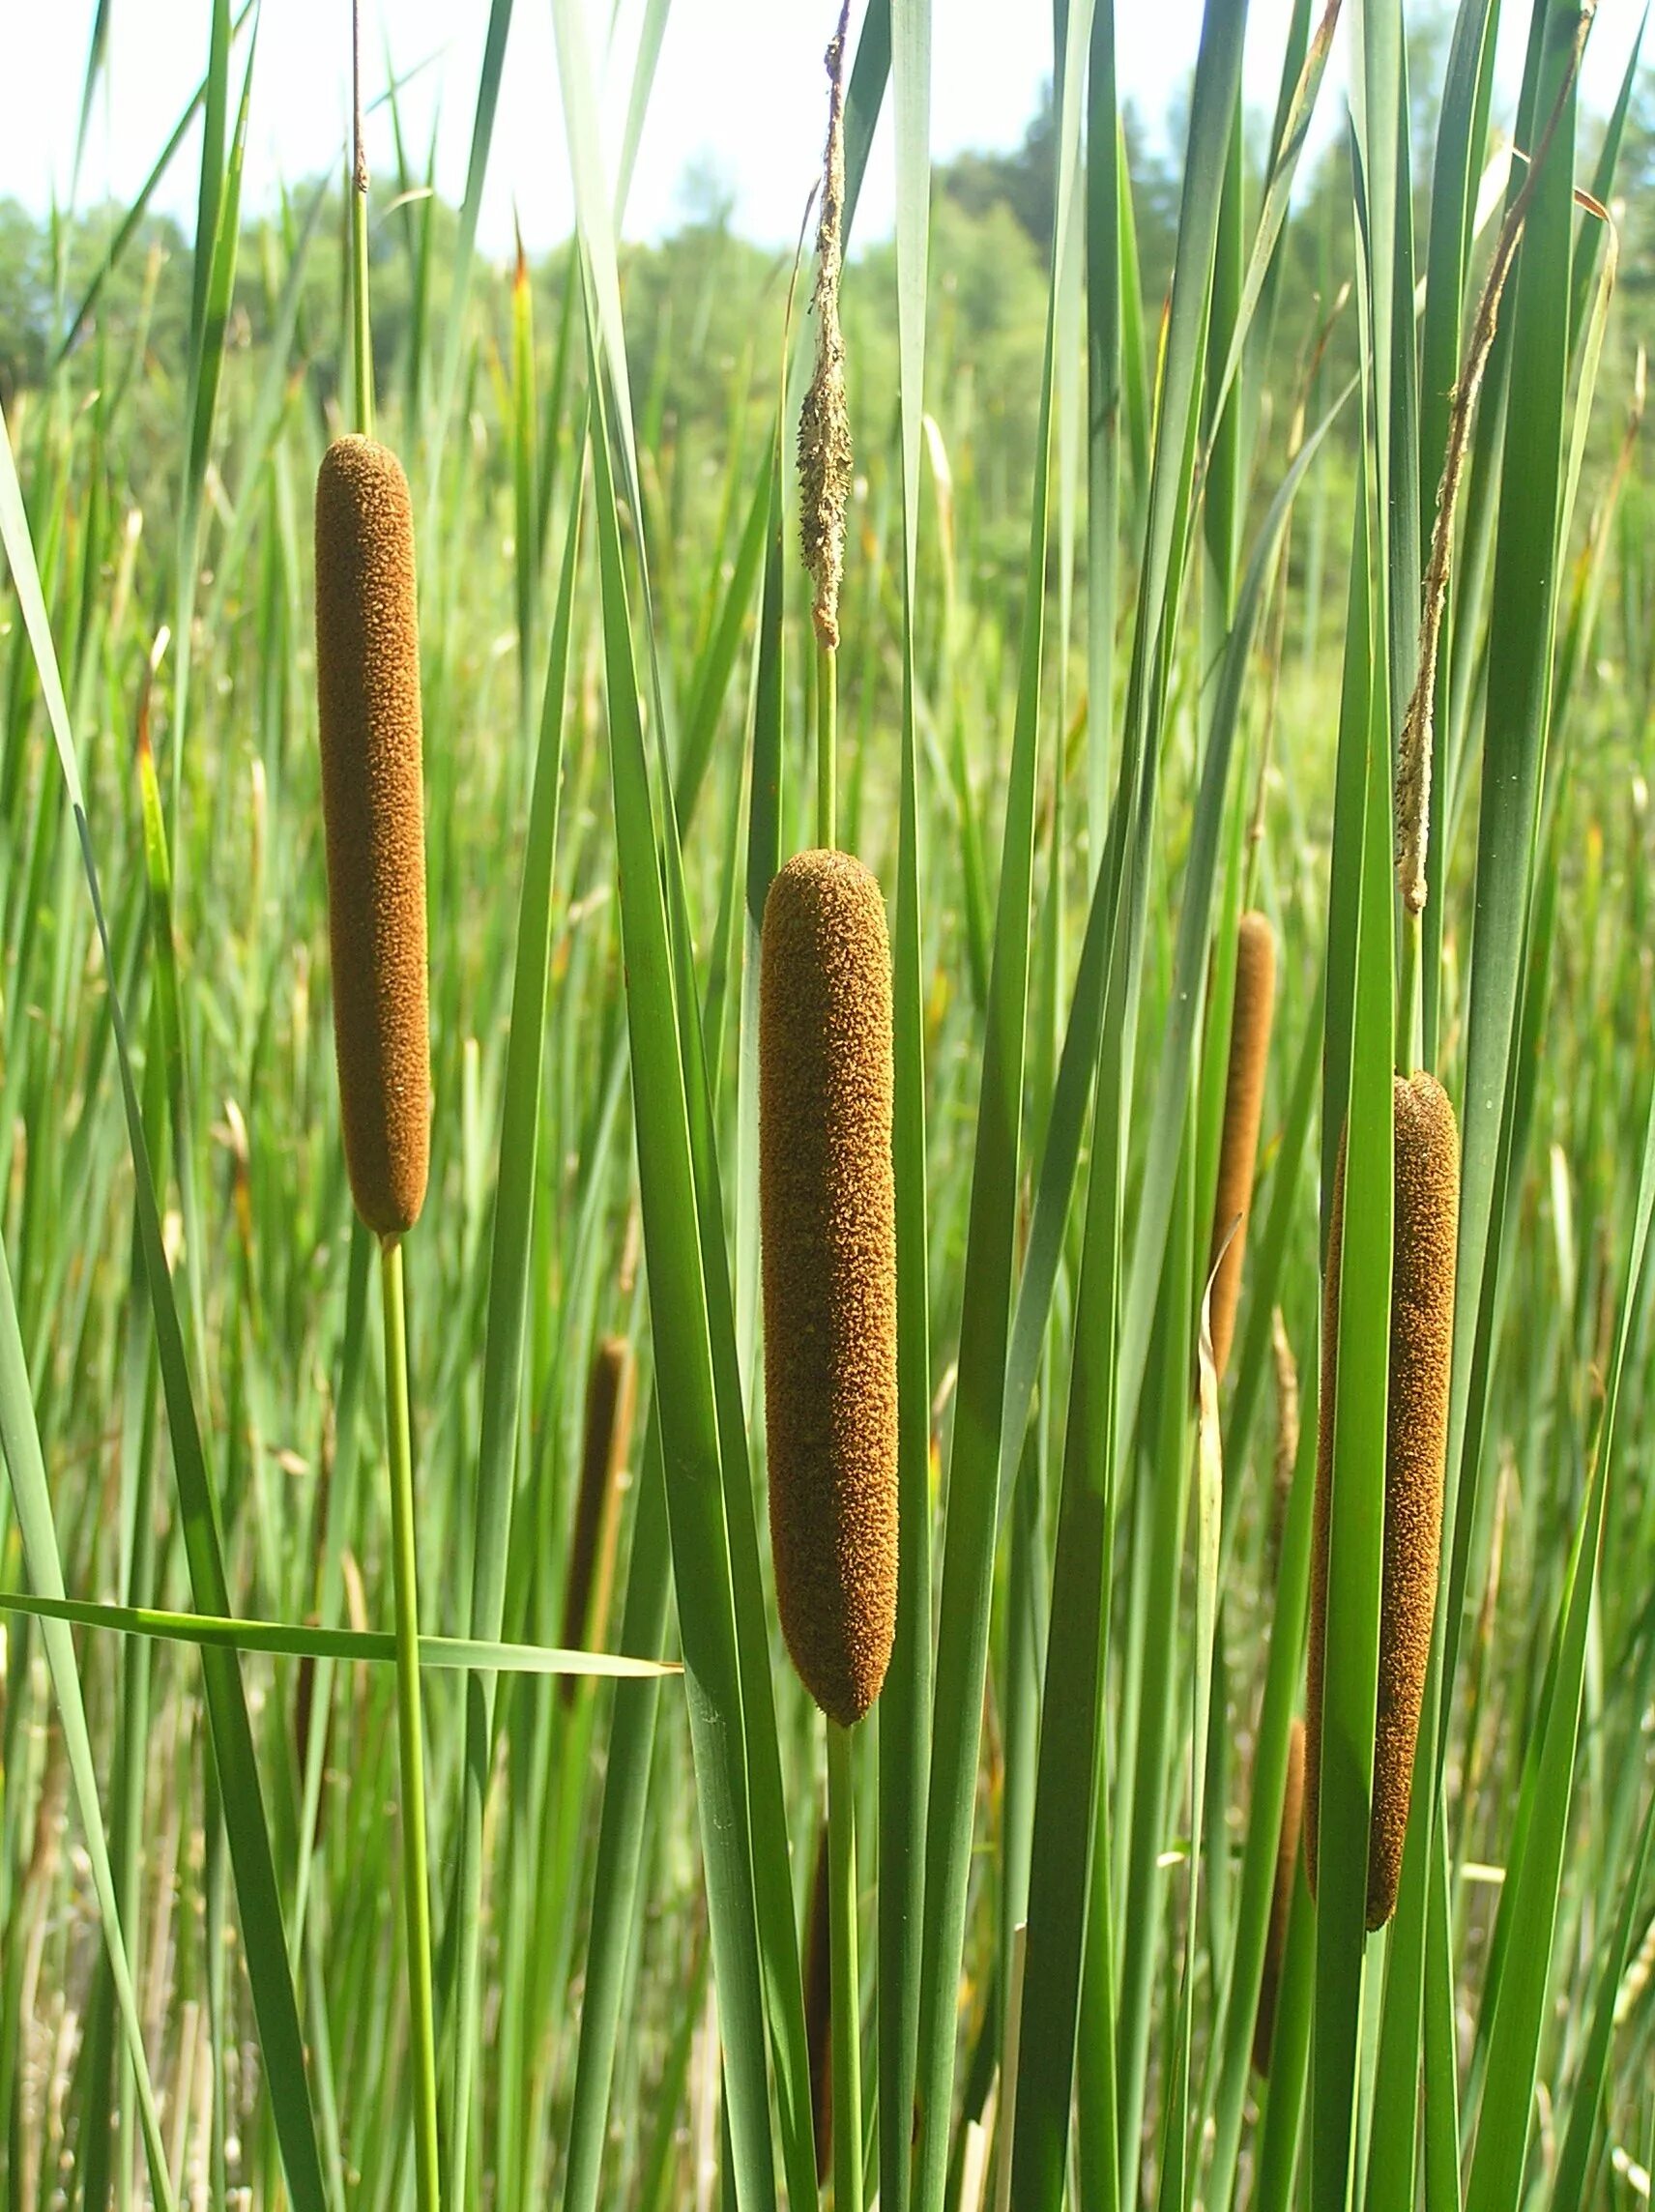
(847, 1991)
(1410, 1003)
(826, 719)
(362, 346)
(415, 1886)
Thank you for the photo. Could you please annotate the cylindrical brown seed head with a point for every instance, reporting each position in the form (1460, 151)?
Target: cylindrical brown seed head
(367, 697)
(829, 1228)
(1243, 1104)
(819, 2011)
(1416, 1444)
(1425, 1239)
(1281, 1899)
(607, 1441)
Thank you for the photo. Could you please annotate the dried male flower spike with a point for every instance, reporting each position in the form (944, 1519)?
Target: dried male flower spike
(1281, 1899)
(823, 422)
(1425, 1237)
(605, 1445)
(828, 1233)
(367, 697)
(1244, 1107)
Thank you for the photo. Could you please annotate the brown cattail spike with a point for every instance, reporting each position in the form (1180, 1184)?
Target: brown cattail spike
(1281, 1899)
(828, 1223)
(1244, 1105)
(367, 696)
(819, 2010)
(823, 422)
(1417, 1438)
(607, 1441)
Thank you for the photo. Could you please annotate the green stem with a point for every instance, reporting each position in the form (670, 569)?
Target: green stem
(846, 1981)
(827, 715)
(362, 348)
(415, 1886)
(1410, 1007)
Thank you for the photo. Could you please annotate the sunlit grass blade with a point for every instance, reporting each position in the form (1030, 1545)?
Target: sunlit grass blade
(621, 1840)
(1533, 1881)
(905, 1708)
(250, 1836)
(691, 1438)
(32, 1502)
(973, 1515)
(1266, 1782)
(507, 1313)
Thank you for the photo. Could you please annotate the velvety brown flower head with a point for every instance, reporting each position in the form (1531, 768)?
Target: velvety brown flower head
(1243, 1106)
(829, 1222)
(1425, 1242)
(367, 698)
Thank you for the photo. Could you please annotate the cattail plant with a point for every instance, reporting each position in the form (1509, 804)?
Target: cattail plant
(830, 1275)
(1281, 1899)
(1427, 1171)
(606, 1441)
(827, 1209)
(367, 696)
(1243, 1104)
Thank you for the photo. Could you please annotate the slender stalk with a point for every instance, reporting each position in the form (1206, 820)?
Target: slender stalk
(827, 719)
(846, 1981)
(1410, 1007)
(362, 348)
(415, 1886)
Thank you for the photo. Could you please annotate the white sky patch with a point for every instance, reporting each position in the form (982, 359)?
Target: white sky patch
(738, 98)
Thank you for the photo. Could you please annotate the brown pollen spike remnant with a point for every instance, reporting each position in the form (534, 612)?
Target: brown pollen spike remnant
(1244, 1107)
(823, 421)
(367, 697)
(1281, 1899)
(1425, 1241)
(828, 1229)
(606, 1442)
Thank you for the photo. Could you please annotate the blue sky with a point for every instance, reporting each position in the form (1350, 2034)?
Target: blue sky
(738, 90)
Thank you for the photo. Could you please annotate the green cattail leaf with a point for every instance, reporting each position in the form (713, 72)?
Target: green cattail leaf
(750, 1702)
(974, 1502)
(684, 1383)
(216, 1633)
(1195, 927)
(273, 2001)
(507, 1313)
(131, 222)
(1587, 2119)
(1264, 1817)
(712, 677)
(217, 235)
(620, 1839)
(1534, 1879)
(477, 173)
(905, 1707)
(32, 1499)
(1357, 1098)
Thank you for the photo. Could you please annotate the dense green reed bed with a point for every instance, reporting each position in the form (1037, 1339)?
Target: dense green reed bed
(1144, 556)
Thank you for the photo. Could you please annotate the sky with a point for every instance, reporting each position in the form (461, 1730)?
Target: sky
(738, 96)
